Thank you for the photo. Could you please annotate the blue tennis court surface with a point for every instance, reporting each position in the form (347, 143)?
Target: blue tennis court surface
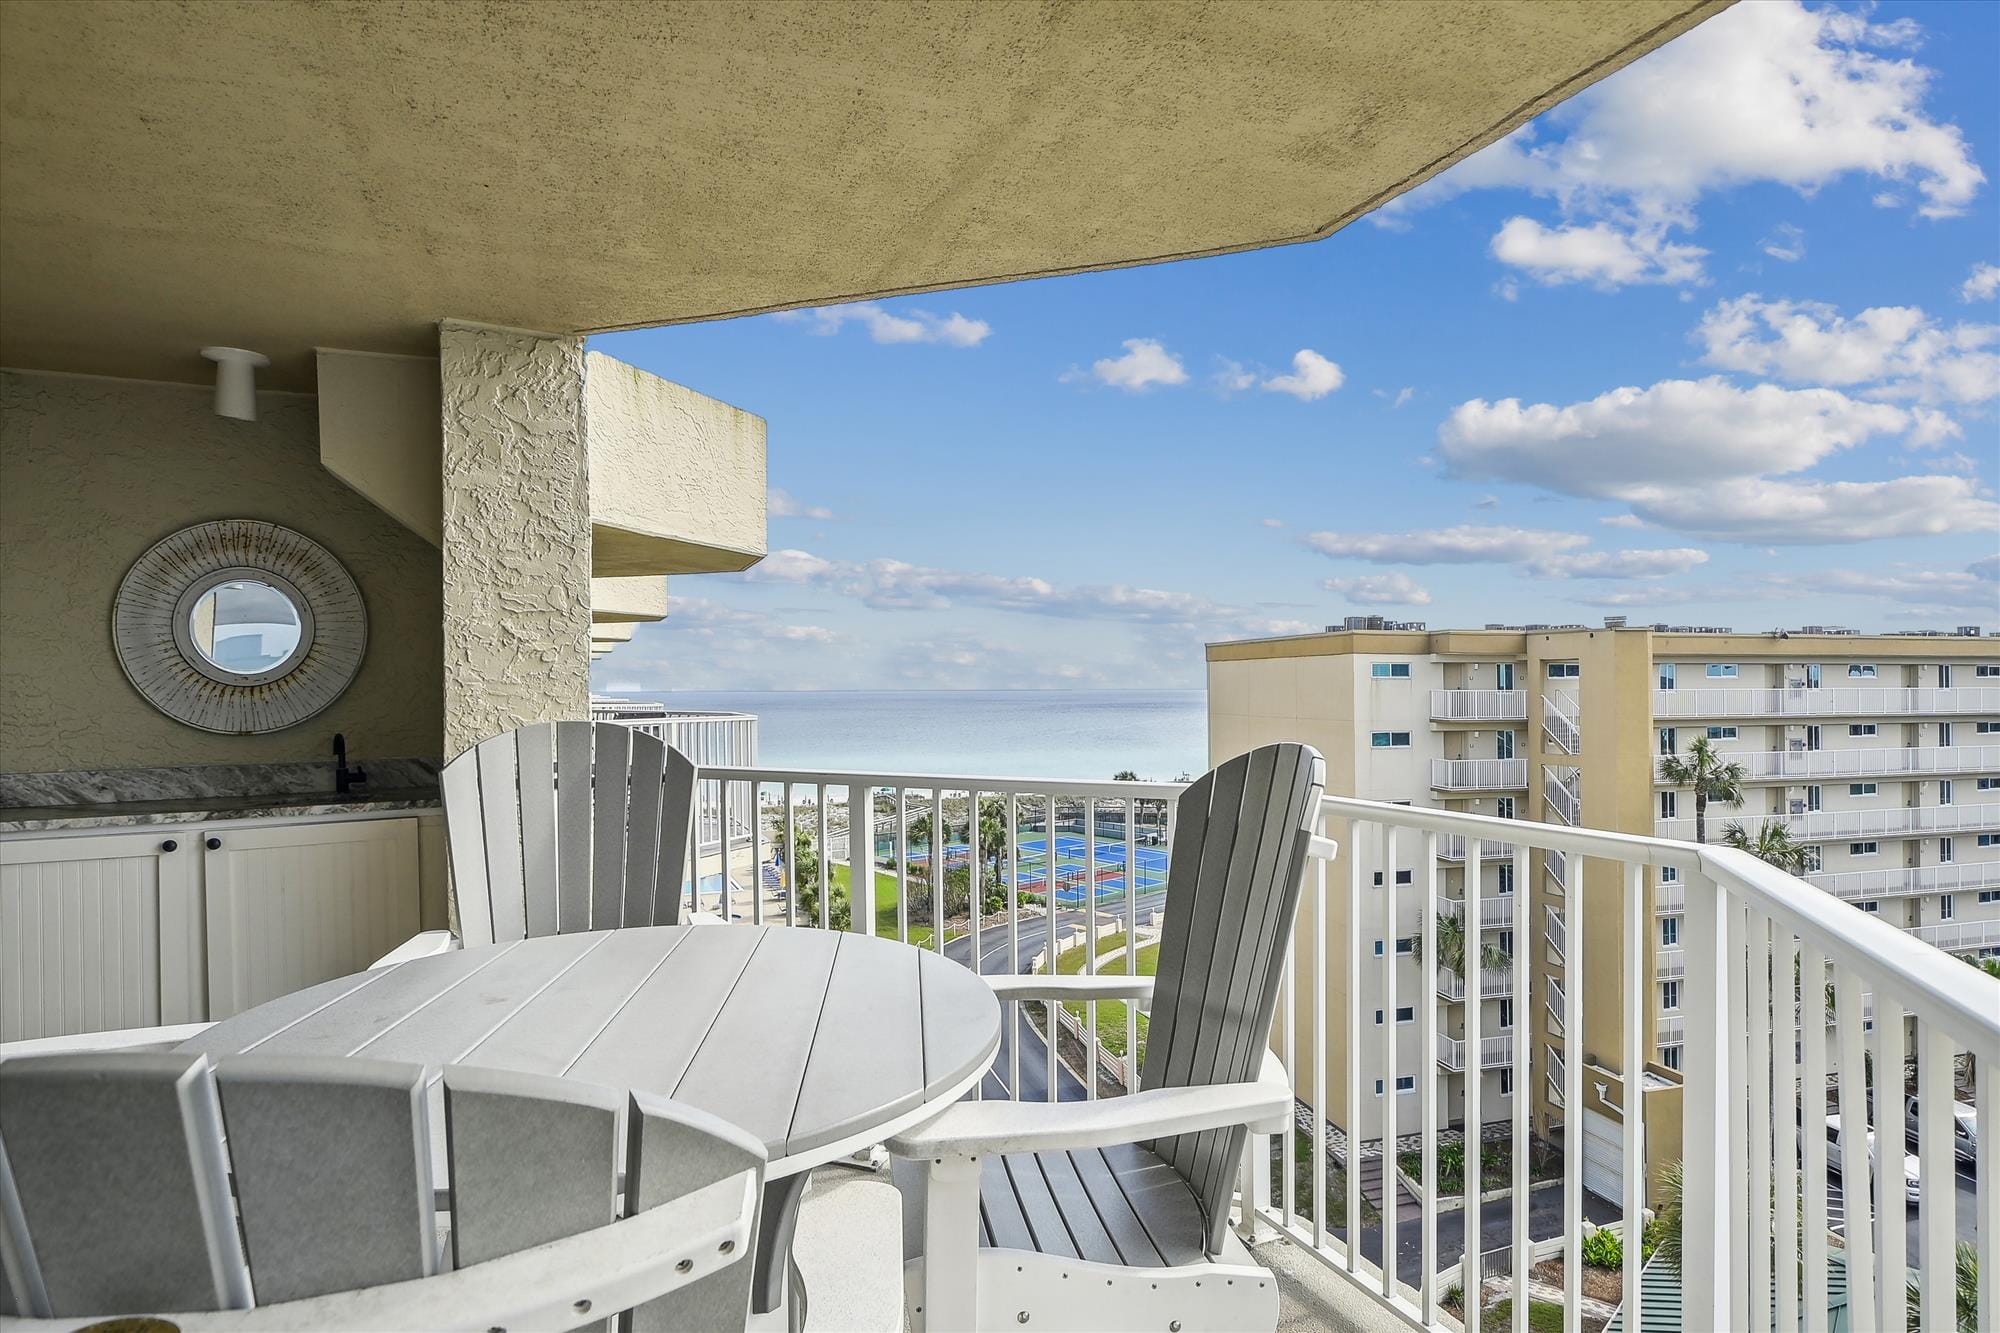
(1150, 868)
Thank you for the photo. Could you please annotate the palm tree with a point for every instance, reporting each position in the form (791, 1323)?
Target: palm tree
(1772, 844)
(1711, 779)
(1965, 1293)
(1451, 940)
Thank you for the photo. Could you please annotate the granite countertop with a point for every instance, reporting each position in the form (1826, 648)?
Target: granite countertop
(208, 809)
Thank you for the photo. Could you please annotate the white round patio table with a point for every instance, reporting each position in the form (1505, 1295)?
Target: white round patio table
(817, 1042)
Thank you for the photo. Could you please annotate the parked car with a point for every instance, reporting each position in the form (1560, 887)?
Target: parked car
(1964, 1128)
(1910, 1190)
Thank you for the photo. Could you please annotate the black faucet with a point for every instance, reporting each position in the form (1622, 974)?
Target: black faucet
(344, 778)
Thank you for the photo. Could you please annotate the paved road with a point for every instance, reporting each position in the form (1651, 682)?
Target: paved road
(1965, 1209)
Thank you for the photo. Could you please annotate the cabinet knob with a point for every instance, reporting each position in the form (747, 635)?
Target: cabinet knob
(214, 844)
(169, 845)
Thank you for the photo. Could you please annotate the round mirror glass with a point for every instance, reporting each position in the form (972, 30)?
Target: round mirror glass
(244, 626)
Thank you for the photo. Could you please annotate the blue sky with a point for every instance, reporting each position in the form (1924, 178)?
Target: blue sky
(1716, 342)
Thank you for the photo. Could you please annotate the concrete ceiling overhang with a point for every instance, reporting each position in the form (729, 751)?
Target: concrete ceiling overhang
(345, 174)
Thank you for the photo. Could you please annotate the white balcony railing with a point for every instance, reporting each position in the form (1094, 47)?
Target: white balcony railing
(1670, 962)
(1915, 760)
(710, 740)
(1494, 1052)
(1671, 1028)
(1749, 1175)
(1958, 936)
(1492, 982)
(1453, 848)
(1670, 898)
(1829, 701)
(1496, 911)
(1559, 789)
(1479, 706)
(1479, 774)
(1848, 885)
(1821, 825)
(1559, 725)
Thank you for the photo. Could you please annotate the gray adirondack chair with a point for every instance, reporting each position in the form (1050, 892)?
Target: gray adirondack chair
(562, 827)
(300, 1193)
(1113, 1214)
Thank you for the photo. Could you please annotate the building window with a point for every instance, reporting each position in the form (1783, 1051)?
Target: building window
(1390, 740)
(1404, 1083)
(1987, 728)
(1670, 995)
(1506, 1012)
(1506, 1083)
(1503, 744)
(1989, 840)
(1944, 792)
(1670, 932)
(1390, 670)
(1670, 805)
(1860, 789)
(1666, 675)
(1405, 1013)
(1565, 670)
(1404, 946)
(1813, 854)
(1503, 675)
(1944, 675)
(1506, 942)
(1670, 1056)
(1944, 733)
(1989, 784)
(1861, 671)
(1813, 737)
(1669, 875)
(1945, 852)
(1863, 848)
(1503, 807)
(1861, 728)
(1869, 905)
(1945, 906)
(1506, 879)
(1722, 733)
(1985, 669)
(1987, 896)
(1722, 671)
(1402, 877)
(1815, 798)
(1667, 740)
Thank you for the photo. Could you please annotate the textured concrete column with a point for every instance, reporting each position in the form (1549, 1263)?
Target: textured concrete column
(516, 531)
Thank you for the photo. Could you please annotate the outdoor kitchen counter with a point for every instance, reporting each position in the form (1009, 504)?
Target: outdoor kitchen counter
(209, 809)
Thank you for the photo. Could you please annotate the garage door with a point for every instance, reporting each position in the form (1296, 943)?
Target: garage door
(1604, 1157)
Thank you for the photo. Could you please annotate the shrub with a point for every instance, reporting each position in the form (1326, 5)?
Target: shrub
(1601, 1249)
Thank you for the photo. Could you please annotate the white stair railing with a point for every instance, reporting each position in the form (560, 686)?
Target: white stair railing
(1558, 790)
(1559, 726)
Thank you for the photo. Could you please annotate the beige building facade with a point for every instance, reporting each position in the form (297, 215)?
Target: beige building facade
(1880, 753)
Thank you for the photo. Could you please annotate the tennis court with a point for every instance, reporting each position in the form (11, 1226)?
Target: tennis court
(1072, 850)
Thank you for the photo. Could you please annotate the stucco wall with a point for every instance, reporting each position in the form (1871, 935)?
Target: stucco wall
(516, 532)
(677, 477)
(94, 471)
(378, 432)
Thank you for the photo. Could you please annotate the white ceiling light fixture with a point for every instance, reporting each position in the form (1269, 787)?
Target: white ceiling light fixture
(236, 380)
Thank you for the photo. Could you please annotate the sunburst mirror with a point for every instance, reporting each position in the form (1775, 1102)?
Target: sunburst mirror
(239, 626)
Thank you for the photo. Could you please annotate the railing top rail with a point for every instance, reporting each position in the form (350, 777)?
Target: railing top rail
(1581, 841)
(992, 786)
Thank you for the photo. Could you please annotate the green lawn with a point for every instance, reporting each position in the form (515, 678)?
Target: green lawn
(1543, 1317)
(1110, 1013)
(885, 905)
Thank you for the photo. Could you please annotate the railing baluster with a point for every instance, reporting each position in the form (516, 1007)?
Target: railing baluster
(1891, 1224)
(1520, 1233)
(1986, 1207)
(1049, 930)
(1131, 1067)
(1014, 943)
(1356, 933)
(903, 864)
(756, 853)
(1319, 1035)
(1812, 1125)
(861, 858)
(825, 860)
(1391, 923)
(1427, 1011)
(1705, 1098)
(1858, 1218)
(1090, 941)
(791, 862)
(1757, 1068)
(1573, 1126)
(936, 862)
(1634, 1043)
(1288, 1037)
(1937, 1256)
(1789, 1122)
(1736, 962)
(1471, 1268)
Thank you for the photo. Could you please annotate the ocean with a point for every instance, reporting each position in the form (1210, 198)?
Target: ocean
(1084, 734)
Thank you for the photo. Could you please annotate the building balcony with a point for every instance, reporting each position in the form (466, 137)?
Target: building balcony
(1670, 1029)
(1798, 766)
(1826, 825)
(1903, 880)
(1493, 982)
(1479, 774)
(1494, 1052)
(1829, 702)
(1479, 705)
(1670, 962)
(1496, 910)
(1454, 846)
(1959, 936)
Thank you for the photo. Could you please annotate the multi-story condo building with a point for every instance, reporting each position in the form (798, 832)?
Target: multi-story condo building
(1880, 752)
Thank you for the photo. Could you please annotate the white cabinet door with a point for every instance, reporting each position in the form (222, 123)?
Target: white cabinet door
(291, 905)
(99, 932)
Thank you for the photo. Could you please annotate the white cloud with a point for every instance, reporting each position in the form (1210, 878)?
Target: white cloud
(1232, 376)
(1786, 243)
(1313, 377)
(1886, 199)
(1602, 254)
(781, 503)
(1397, 399)
(1923, 593)
(1272, 522)
(1982, 285)
(1145, 363)
(1628, 564)
(1897, 351)
(1987, 569)
(1700, 456)
(1379, 590)
(1462, 545)
(1771, 92)
(1487, 502)
(914, 326)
